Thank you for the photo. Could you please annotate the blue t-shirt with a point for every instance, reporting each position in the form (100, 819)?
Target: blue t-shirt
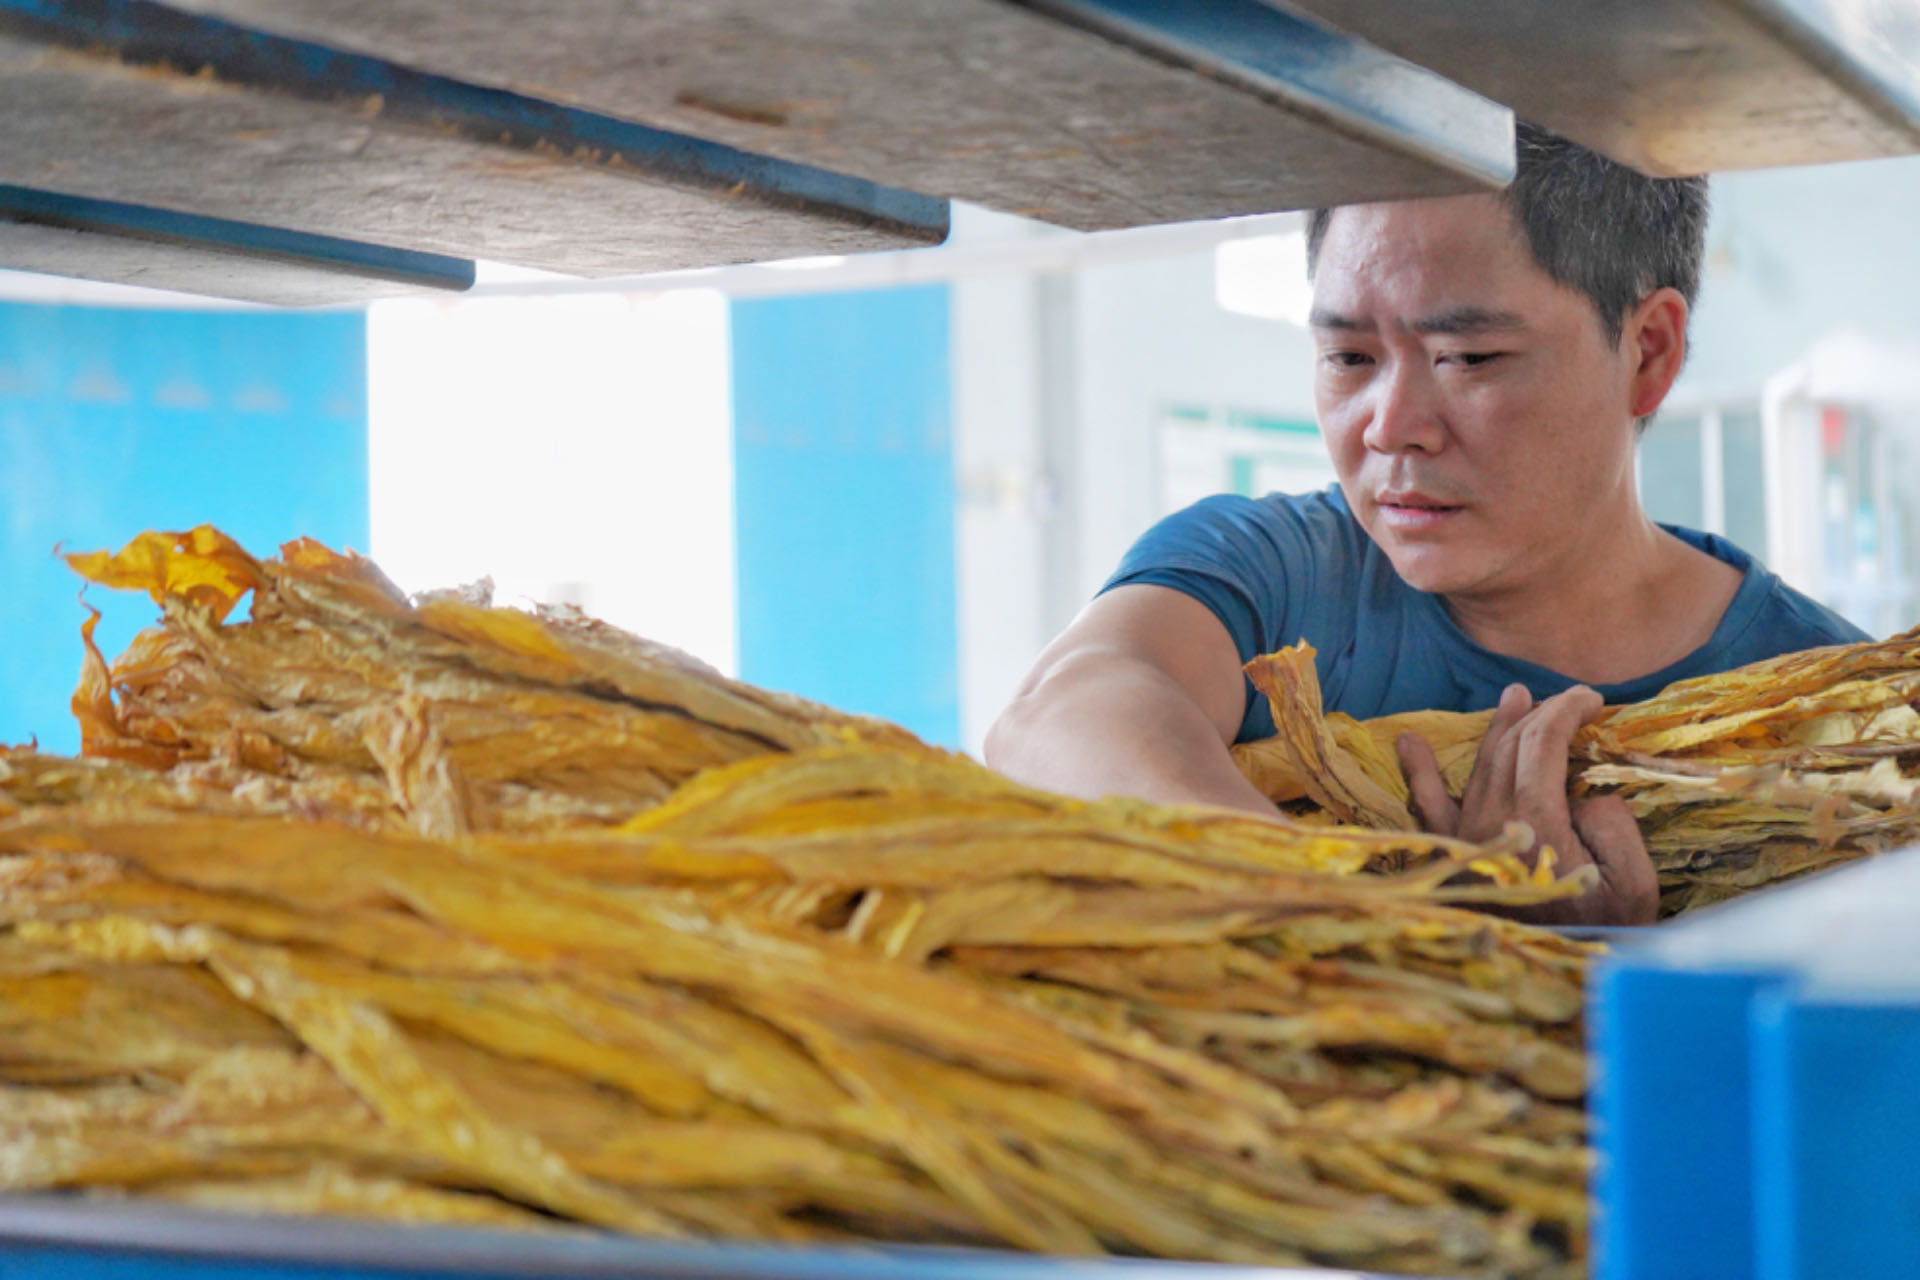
(1284, 568)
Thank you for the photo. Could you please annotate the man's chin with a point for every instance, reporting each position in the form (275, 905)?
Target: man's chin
(1435, 570)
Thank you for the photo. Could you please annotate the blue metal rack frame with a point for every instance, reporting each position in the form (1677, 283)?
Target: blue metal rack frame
(226, 237)
(1319, 72)
(47, 1236)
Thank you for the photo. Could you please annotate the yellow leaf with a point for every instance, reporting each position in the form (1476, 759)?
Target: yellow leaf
(203, 566)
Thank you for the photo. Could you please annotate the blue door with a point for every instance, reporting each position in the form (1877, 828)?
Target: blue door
(844, 501)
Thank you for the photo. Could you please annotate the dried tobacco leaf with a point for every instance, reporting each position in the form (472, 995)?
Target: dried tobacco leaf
(441, 912)
(1738, 779)
(445, 715)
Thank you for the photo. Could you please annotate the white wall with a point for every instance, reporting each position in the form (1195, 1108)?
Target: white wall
(1153, 335)
(1061, 379)
(1796, 255)
(1004, 496)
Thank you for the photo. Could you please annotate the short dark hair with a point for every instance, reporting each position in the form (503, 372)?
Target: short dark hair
(1594, 225)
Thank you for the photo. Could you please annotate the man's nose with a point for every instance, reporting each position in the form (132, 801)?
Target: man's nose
(1405, 413)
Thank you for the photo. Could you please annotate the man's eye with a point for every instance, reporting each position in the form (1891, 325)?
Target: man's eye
(1347, 359)
(1472, 359)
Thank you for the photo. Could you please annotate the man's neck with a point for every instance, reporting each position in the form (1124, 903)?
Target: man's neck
(1625, 601)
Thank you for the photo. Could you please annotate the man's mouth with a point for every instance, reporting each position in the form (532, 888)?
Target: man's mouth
(1412, 512)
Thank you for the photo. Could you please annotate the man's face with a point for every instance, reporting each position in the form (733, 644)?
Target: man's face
(1475, 411)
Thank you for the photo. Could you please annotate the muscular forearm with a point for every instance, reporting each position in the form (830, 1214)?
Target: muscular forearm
(1101, 724)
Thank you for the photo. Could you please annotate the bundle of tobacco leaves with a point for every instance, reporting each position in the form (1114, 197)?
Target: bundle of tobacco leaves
(1738, 779)
(438, 912)
(339, 697)
(729, 1021)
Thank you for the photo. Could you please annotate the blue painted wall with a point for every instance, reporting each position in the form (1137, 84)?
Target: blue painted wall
(112, 422)
(844, 500)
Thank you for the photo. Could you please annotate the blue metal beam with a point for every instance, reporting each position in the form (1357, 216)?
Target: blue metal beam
(226, 237)
(1317, 71)
(46, 1236)
(142, 33)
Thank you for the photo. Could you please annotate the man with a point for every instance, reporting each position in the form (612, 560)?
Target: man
(1484, 364)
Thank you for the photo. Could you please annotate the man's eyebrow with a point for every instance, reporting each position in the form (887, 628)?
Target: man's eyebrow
(1469, 320)
(1319, 319)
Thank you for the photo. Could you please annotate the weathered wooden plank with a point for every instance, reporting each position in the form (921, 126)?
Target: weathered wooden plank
(91, 125)
(160, 249)
(1676, 87)
(978, 100)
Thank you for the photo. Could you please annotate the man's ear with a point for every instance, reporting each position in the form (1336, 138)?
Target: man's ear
(1655, 336)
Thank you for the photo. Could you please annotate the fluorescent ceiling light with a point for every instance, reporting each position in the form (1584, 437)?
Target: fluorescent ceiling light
(820, 263)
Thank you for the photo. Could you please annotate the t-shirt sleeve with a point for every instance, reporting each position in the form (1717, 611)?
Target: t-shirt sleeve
(1230, 553)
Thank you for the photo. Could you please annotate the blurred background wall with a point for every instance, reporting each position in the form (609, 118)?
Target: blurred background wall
(887, 482)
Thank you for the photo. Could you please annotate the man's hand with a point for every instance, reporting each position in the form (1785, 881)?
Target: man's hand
(1521, 773)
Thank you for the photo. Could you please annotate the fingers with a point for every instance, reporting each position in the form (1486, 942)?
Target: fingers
(1628, 882)
(1432, 804)
(1540, 755)
(1521, 772)
(1515, 702)
(1487, 802)
(1540, 773)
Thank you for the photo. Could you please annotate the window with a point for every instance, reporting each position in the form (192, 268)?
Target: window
(1209, 451)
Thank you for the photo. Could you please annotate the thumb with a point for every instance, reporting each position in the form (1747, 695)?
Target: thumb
(1437, 810)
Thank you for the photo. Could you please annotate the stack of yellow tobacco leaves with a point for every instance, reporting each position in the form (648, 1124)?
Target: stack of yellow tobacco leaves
(441, 912)
(1738, 779)
(340, 698)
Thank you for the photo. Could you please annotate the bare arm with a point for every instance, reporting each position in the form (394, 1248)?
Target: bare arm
(1141, 696)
